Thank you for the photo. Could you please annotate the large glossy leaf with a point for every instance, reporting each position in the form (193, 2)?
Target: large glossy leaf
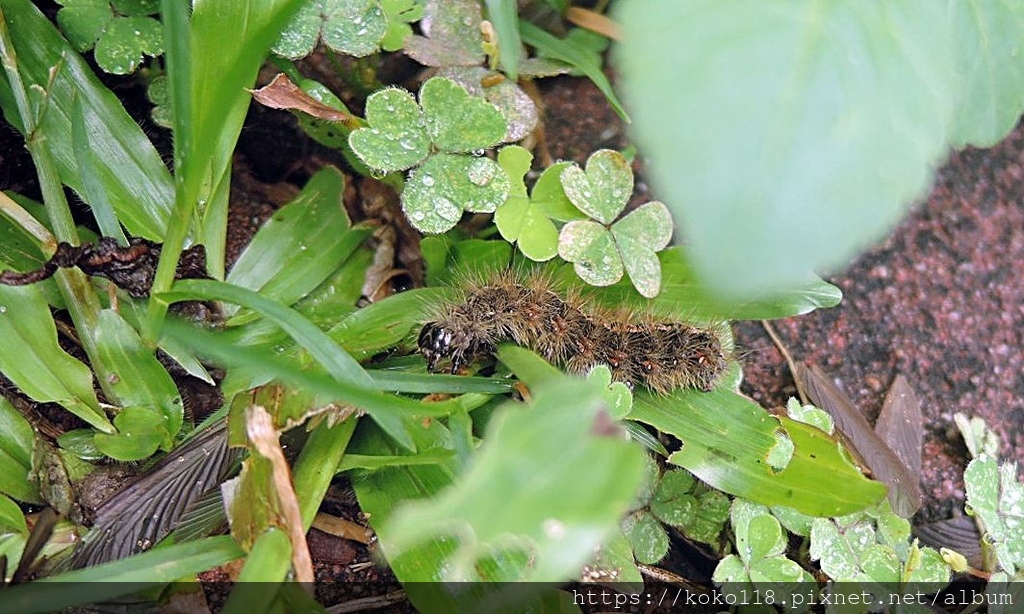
(127, 166)
(302, 244)
(786, 135)
(31, 357)
(545, 485)
(990, 69)
(728, 442)
(16, 441)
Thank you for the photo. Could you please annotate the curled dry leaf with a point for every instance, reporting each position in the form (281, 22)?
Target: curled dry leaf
(259, 426)
(281, 93)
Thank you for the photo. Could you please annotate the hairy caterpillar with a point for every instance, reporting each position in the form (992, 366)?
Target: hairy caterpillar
(640, 349)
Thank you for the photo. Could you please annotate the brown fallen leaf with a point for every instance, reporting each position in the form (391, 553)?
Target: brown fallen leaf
(901, 425)
(904, 484)
(281, 93)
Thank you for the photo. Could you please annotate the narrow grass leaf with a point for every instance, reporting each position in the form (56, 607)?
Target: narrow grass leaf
(112, 580)
(94, 190)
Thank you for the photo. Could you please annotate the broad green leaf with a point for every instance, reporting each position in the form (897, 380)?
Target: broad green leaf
(17, 439)
(764, 538)
(137, 379)
(523, 219)
(673, 502)
(995, 496)
(457, 121)
(396, 138)
(516, 106)
(809, 414)
(125, 41)
(134, 8)
(82, 21)
(446, 184)
(618, 398)
(989, 70)
(140, 431)
(355, 27)
(33, 360)
(302, 244)
(384, 324)
(13, 534)
(639, 235)
(785, 137)
(591, 249)
(95, 195)
(119, 578)
(727, 438)
(603, 189)
(527, 491)
(133, 174)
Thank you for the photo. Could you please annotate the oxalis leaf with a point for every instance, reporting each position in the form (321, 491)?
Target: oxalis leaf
(599, 252)
(527, 220)
(996, 497)
(447, 184)
(397, 137)
(785, 137)
(353, 27)
(529, 492)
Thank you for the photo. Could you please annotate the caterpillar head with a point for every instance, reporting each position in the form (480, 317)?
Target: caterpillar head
(434, 343)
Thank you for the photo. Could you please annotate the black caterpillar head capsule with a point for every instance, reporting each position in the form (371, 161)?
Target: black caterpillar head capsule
(434, 343)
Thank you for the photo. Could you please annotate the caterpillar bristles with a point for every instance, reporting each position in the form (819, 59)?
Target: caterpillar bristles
(641, 349)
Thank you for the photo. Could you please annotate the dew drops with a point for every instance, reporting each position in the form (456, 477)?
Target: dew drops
(427, 180)
(482, 172)
(417, 216)
(407, 144)
(3, 308)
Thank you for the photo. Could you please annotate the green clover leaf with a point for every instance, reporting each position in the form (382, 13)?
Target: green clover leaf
(121, 39)
(400, 14)
(525, 220)
(451, 34)
(457, 121)
(445, 185)
(638, 236)
(352, 27)
(600, 254)
(603, 190)
(591, 249)
(396, 138)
